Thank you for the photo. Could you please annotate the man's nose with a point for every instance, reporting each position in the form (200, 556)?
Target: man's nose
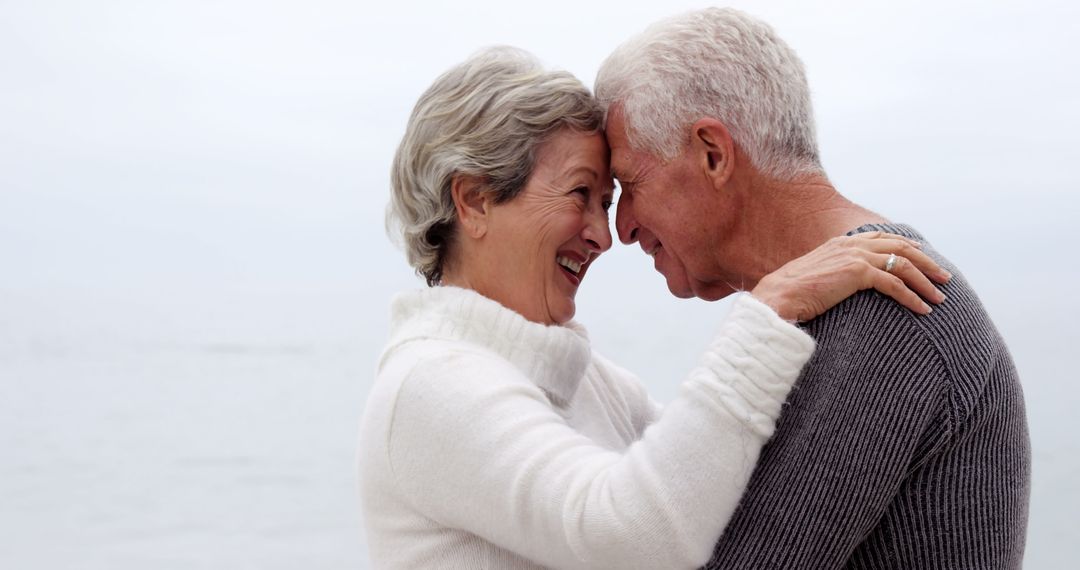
(625, 223)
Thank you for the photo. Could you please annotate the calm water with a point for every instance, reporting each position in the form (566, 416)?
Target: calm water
(134, 442)
(202, 457)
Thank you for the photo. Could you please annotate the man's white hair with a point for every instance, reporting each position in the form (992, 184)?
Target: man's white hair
(718, 63)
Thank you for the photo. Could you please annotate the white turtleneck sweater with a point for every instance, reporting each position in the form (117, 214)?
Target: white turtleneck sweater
(489, 441)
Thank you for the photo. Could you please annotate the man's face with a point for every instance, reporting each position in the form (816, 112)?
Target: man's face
(673, 210)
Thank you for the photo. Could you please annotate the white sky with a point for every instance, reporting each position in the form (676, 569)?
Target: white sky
(164, 164)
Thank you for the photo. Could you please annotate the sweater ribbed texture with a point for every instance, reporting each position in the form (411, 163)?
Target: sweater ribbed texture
(904, 445)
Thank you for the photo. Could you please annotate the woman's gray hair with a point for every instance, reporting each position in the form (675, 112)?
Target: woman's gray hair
(718, 63)
(484, 118)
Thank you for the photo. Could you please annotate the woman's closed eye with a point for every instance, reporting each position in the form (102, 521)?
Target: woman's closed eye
(584, 192)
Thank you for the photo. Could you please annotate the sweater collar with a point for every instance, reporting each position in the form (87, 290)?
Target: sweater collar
(553, 357)
(898, 229)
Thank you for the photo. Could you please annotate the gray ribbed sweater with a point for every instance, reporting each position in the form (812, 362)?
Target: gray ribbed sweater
(904, 445)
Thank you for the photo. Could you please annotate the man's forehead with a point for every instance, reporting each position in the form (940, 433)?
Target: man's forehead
(615, 126)
(615, 132)
(620, 165)
(626, 163)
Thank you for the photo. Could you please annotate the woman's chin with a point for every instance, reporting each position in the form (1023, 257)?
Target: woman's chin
(562, 311)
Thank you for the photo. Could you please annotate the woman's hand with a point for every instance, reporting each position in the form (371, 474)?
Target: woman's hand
(812, 284)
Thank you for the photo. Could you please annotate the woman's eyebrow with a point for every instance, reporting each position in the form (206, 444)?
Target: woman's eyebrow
(579, 169)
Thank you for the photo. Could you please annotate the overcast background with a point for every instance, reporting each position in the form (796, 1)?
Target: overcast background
(194, 275)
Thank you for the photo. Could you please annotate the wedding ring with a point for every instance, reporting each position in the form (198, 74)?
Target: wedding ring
(890, 263)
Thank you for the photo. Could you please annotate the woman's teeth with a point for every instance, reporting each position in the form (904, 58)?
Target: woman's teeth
(568, 263)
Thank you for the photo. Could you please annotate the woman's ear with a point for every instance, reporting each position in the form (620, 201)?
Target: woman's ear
(712, 142)
(471, 203)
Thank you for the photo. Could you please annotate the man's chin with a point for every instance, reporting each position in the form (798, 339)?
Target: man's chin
(685, 288)
(707, 292)
(682, 294)
(679, 287)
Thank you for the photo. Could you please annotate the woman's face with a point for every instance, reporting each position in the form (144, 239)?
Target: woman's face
(540, 243)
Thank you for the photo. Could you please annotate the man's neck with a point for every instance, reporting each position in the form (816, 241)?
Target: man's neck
(789, 219)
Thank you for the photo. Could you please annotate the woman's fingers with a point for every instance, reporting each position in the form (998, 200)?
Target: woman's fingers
(923, 263)
(879, 235)
(809, 285)
(912, 251)
(913, 277)
(901, 290)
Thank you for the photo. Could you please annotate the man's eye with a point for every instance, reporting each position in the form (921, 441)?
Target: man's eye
(607, 204)
(582, 190)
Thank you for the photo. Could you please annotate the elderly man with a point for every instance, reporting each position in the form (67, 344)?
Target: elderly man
(904, 444)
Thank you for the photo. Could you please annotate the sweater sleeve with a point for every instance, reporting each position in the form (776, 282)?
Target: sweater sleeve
(475, 446)
(641, 408)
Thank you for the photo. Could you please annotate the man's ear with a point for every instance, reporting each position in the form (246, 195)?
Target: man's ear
(712, 142)
(471, 203)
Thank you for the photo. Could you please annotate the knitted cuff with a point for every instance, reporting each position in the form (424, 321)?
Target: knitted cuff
(753, 362)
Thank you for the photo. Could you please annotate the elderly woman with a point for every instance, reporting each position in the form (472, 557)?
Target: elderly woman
(494, 436)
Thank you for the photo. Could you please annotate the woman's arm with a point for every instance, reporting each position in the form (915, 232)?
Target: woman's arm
(476, 446)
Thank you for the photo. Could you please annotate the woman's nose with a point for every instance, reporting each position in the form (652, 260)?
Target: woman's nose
(597, 233)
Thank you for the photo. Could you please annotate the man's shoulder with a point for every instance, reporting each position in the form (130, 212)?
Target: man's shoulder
(960, 328)
(957, 343)
(961, 322)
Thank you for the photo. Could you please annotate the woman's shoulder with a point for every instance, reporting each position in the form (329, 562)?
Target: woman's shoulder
(612, 373)
(429, 382)
(625, 387)
(440, 360)
(431, 373)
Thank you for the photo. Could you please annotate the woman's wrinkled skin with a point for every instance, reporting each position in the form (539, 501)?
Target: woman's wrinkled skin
(531, 252)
